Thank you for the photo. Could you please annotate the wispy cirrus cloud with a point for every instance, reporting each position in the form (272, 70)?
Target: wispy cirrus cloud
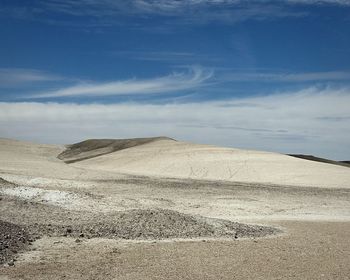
(177, 81)
(17, 76)
(177, 57)
(104, 13)
(171, 7)
(109, 12)
(285, 76)
(194, 79)
(321, 2)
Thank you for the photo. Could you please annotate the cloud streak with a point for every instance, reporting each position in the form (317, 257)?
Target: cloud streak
(286, 77)
(18, 76)
(175, 82)
(170, 7)
(106, 13)
(168, 56)
(110, 12)
(321, 2)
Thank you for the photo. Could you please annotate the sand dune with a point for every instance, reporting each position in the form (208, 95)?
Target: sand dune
(21, 157)
(165, 157)
(31, 161)
(169, 158)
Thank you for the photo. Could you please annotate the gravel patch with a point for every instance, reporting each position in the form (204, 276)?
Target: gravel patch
(151, 224)
(13, 239)
(27, 217)
(155, 224)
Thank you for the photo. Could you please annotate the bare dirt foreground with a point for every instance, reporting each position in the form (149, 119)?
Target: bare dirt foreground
(309, 251)
(161, 209)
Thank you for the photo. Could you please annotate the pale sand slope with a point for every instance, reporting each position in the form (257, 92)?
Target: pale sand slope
(168, 158)
(24, 161)
(27, 158)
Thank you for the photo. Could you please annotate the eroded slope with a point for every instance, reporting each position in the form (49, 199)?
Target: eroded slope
(96, 147)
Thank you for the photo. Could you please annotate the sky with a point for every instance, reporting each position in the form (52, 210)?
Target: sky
(261, 75)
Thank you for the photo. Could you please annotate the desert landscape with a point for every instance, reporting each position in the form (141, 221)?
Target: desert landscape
(157, 208)
(174, 140)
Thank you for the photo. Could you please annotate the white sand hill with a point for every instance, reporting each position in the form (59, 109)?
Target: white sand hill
(169, 158)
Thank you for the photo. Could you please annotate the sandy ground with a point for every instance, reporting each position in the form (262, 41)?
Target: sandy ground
(308, 251)
(308, 201)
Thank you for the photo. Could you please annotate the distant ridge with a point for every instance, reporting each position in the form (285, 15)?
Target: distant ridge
(324, 160)
(97, 147)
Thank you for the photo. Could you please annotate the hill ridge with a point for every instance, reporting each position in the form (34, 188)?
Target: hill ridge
(319, 159)
(92, 148)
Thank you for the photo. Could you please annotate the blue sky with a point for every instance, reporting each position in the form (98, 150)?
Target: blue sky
(271, 75)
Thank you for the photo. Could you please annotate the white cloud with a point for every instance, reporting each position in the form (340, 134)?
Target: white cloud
(111, 12)
(168, 56)
(195, 78)
(104, 13)
(171, 6)
(286, 77)
(309, 121)
(17, 76)
(317, 2)
(166, 7)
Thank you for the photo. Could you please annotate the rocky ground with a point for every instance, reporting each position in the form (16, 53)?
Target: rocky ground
(36, 220)
(13, 239)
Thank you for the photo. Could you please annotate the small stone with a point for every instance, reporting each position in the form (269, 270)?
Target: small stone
(11, 263)
(78, 240)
